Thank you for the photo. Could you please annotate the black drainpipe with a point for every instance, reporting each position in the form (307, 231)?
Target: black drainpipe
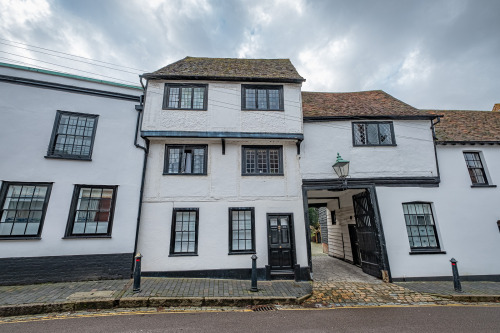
(140, 109)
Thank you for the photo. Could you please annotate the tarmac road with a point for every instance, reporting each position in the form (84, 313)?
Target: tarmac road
(369, 319)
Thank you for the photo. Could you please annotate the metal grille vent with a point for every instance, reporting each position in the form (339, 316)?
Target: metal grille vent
(262, 308)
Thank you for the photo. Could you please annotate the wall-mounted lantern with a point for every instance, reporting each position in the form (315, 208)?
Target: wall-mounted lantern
(341, 168)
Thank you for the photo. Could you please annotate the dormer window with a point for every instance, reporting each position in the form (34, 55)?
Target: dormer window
(185, 97)
(373, 134)
(262, 98)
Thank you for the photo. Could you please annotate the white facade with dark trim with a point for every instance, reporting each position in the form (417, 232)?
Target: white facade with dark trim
(66, 247)
(227, 131)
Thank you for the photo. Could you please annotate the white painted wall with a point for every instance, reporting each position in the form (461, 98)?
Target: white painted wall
(26, 121)
(465, 218)
(224, 112)
(412, 157)
(213, 194)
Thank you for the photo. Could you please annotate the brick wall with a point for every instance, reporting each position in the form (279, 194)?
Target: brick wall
(28, 270)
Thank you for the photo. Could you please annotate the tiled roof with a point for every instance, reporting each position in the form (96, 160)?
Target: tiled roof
(468, 126)
(375, 103)
(266, 70)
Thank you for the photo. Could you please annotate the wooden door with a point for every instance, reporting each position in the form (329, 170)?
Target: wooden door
(280, 241)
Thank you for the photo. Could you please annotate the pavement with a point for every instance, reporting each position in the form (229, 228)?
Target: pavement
(336, 284)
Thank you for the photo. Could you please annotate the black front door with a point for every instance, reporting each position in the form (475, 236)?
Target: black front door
(367, 234)
(280, 241)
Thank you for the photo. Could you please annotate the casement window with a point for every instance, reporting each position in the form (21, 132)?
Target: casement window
(23, 207)
(373, 134)
(185, 160)
(91, 211)
(259, 97)
(262, 160)
(420, 226)
(185, 96)
(476, 168)
(241, 230)
(184, 235)
(72, 136)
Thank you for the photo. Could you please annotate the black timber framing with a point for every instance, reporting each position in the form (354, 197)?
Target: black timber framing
(222, 135)
(337, 185)
(69, 88)
(382, 181)
(349, 118)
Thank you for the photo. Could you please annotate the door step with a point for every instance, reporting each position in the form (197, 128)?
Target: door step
(285, 274)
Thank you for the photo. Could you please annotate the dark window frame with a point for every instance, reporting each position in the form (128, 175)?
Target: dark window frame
(252, 212)
(3, 196)
(421, 249)
(268, 148)
(244, 88)
(166, 96)
(53, 137)
(189, 146)
(73, 209)
(378, 123)
(172, 252)
(471, 168)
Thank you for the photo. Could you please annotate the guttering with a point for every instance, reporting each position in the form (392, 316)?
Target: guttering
(140, 109)
(221, 135)
(468, 142)
(346, 118)
(67, 88)
(220, 78)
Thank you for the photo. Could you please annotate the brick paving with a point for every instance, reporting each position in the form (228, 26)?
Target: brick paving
(446, 287)
(338, 283)
(150, 287)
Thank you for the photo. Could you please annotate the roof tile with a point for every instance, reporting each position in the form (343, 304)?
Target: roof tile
(269, 70)
(355, 104)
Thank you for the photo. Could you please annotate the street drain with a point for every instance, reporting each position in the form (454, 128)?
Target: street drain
(262, 308)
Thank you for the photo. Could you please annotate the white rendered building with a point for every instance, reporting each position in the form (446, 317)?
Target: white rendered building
(70, 176)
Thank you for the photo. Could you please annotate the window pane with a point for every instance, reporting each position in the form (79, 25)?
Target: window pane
(274, 99)
(250, 161)
(241, 230)
(359, 134)
(262, 99)
(250, 95)
(274, 161)
(22, 210)
(173, 98)
(420, 225)
(261, 161)
(198, 98)
(372, 134)
(186, 98)
(385, 134)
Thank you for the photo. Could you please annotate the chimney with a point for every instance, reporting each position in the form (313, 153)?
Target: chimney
(496, 107)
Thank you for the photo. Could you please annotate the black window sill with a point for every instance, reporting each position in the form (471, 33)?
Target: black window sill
(263, 174)
(267, 110)
(184, 174)
(74, 158)
(428, 252)
(393, 145)
(179, 109)
(183, 255)
(86, 236)
(482, 185)
(21, 238)
(242, 252)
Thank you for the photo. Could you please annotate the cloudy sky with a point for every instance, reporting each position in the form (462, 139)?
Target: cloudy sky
(441, 54)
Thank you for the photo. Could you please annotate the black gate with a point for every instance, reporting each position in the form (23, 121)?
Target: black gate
(366, 230)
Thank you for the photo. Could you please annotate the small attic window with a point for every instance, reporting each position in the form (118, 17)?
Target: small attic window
(185, 97)
(373, 134)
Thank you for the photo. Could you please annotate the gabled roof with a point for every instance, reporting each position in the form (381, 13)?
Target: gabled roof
(366, 104)
(467, 126)
(229, 69)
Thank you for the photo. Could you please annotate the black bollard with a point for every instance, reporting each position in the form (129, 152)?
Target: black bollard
(254, 273)
(456, 277)
(137, 273)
